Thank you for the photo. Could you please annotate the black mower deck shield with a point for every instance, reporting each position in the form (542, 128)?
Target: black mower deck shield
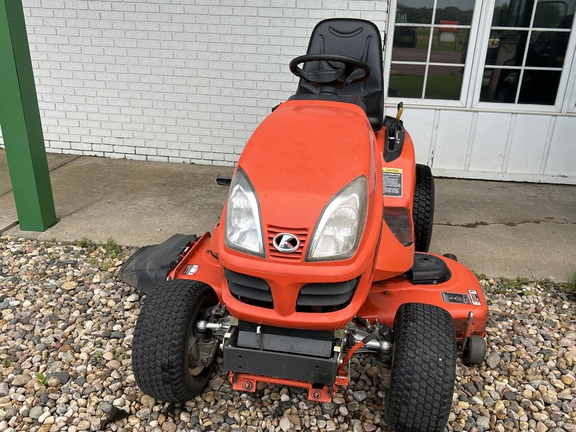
(150, 265)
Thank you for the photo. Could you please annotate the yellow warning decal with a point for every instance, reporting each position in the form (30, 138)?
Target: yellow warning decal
(392, 182)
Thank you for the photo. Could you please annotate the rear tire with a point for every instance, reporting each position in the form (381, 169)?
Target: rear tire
(423, 210)
(423, 369)
(164, 334)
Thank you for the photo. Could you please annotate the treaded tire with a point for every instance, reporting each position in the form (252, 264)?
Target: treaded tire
(423, 210)
(419, 398)
(159, 348)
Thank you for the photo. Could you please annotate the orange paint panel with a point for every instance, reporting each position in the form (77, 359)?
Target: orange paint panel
(208, 269)
(248, 382)
(281, 159)
(387, 296)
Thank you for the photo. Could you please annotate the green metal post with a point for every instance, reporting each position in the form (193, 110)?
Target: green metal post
(21, 126)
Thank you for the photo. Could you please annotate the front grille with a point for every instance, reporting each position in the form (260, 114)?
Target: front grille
(248, 289)
(300, 233)
(326, 297)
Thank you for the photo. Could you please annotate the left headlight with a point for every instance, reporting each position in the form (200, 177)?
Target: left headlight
(339, 229)
(243, 226)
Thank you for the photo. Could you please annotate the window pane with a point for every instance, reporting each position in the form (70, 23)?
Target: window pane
(406, 81)
(539, 87)
(549, 13)
(547, 49)
(515, 13)
(428, 58)
(465, 41)
(499, 85)
(459, 11)
(449, 45)
(414, 11)
(520, 50)
(506, 47)
(410, 43)
(553, 14)
(444, 82)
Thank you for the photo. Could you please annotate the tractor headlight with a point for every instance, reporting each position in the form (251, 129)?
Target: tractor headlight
(243, 228)
(339, 229)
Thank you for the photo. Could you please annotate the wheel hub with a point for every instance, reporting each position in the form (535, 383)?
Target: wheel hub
(200, 353)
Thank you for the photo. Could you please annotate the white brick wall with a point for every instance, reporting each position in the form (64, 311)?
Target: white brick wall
(169, 80)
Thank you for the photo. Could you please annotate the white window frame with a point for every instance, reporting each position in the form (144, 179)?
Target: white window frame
(569, 106)
(466, 76)
(474, 70)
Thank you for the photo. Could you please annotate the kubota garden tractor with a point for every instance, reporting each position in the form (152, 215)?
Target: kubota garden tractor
(321, 250)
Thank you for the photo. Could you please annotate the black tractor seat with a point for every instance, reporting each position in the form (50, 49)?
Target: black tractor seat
(355, 38)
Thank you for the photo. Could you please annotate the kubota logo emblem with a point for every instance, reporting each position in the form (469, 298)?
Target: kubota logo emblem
(286, 243)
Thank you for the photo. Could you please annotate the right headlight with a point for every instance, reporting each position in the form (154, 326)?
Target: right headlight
(339, 229)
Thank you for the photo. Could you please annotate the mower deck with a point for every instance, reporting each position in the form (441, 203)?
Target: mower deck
(434, 279)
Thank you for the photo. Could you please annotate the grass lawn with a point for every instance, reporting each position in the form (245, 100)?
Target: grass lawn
(438, 87)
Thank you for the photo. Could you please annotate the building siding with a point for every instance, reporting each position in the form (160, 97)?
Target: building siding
(176, 81)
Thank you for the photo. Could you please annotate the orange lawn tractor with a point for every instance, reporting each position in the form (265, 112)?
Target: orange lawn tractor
(321, 252)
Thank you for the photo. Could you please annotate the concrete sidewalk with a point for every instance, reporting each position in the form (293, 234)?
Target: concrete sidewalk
(496, 228)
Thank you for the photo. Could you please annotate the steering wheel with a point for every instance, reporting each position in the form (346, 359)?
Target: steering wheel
(331, 76)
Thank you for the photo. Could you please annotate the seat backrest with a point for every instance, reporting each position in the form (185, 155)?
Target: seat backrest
(353, 38)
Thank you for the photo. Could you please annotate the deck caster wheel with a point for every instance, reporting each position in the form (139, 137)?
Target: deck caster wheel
(474, 350)
(170, 360)
(423, 369)
(451, 256)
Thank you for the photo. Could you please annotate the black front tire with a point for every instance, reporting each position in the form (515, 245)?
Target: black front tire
(423, 210)
(423, 369)
(162, 337)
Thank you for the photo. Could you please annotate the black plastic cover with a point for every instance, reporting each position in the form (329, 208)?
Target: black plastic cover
(429, 269)
(308, 342)
(330, 296)
(287, 365)
(150, 265)
(395, 134)
(249, 289)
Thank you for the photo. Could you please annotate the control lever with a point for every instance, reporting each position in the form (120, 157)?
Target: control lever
(400, 110)
(395, 134)
(396, 129)
(223, 180)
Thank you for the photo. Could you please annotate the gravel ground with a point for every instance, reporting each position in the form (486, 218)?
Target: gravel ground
(66, 331)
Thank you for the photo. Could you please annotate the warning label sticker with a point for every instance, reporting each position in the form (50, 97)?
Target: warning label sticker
(474, 297)
(191, 269)
(392, 182)
(455, 298)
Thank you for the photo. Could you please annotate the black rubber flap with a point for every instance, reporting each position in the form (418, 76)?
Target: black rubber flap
(429, 269)
(150, 265)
